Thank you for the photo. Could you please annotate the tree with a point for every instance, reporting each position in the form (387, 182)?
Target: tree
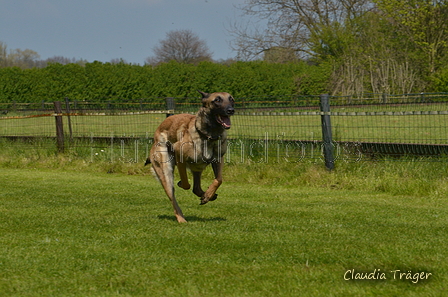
(23, 58)
(424, 23)
(279, 55)
(19, 58)
(3, 55)
(300, 25)
(381, 46)
(59, 60)
(118, 61)
(182, 46)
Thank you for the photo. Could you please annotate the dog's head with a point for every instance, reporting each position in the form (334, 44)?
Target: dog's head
(220, 106)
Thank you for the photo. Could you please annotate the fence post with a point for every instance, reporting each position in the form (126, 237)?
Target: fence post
(169, 105)
(69, 121)
(59, 126)
(326, 131)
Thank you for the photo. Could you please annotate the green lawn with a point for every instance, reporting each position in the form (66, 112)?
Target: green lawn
(85, 233)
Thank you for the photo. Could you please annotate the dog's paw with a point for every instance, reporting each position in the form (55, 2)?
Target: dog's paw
(204, 200)
(180, 185)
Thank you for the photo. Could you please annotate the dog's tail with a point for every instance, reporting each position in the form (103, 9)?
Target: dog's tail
(148, 161)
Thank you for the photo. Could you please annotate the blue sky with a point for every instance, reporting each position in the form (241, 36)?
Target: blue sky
(109, 29)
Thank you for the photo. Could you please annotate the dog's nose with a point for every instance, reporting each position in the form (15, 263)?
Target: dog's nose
(230, 110)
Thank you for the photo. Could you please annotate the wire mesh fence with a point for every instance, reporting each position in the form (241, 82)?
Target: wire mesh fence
(287, 128)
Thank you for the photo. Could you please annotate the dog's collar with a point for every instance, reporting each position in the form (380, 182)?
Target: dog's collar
(203, 135)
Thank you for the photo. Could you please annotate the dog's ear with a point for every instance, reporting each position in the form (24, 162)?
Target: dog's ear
(204, 98)
(204, 95)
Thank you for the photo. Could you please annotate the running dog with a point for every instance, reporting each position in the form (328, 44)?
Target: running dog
(193, 142)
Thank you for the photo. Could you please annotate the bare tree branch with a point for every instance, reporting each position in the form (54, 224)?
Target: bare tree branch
(290, 24)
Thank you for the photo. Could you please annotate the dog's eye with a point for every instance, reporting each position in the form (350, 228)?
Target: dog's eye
(231, 99)
(217, 99)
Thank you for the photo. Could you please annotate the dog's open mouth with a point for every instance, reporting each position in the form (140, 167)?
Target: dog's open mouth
(224, 121)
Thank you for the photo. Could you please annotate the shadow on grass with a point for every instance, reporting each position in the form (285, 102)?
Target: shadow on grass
(192, 219)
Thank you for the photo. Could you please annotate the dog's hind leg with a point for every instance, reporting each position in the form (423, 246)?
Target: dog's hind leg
(163, 165)
(166, 177)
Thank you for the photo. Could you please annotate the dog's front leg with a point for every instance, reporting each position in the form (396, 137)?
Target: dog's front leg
(181, 165)
(183, 183)
(197, 188)
(210, 194)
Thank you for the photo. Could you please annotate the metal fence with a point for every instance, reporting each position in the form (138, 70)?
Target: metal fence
(269, 129)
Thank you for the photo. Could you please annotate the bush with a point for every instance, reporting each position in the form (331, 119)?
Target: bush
(440, 81)
(127, 82)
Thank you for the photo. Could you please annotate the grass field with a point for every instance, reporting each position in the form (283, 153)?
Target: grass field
(70, 229)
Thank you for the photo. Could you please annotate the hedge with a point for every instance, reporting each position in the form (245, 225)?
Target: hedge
(126, 82)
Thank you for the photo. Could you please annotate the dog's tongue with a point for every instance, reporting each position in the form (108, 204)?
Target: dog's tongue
(224, 121)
